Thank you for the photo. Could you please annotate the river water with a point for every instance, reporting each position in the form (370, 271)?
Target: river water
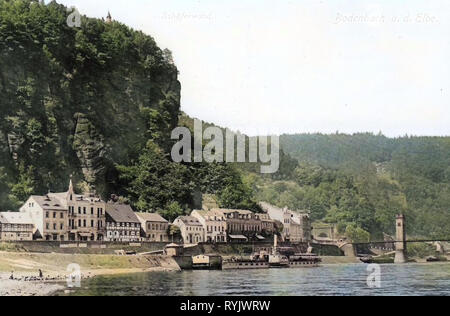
(342, 280)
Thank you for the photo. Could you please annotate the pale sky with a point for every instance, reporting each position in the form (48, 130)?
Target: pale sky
(280, 66)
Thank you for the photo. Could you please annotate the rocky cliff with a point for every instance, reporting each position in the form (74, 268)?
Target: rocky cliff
(76, 100)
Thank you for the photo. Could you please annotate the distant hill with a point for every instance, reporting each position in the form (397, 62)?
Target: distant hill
(287, 163)
(366, 179)
(427, 157)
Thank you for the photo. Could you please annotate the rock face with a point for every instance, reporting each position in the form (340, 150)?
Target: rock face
(90, 149)
(78, 100)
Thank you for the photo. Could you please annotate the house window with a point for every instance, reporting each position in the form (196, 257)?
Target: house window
(62, 215)
(47, 214)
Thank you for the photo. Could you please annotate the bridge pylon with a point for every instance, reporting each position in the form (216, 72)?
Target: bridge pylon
(400, 245)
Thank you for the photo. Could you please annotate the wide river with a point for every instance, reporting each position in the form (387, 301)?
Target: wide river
(410, 279)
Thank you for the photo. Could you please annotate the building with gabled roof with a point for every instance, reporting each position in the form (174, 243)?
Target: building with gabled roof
(296, 226)
(122, 224)
(267, 224)
(49, 215)
(191, 229)
(214, 223)
(67, 216)
(154, 227)
(242, 223)
(15, 226)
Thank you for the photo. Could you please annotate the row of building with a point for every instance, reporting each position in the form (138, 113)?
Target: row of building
(69, 216)
(222, 225)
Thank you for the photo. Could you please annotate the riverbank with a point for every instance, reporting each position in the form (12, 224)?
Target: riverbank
(24, 288)
(55, 271)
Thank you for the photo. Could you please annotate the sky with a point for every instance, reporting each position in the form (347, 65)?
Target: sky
(302, 66)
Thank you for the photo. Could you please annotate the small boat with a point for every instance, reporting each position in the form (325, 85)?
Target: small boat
(304, 260)
(368, 259)
(278, 261)
(432, 259)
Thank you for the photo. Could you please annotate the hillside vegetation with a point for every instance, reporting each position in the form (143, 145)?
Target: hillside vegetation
(364, 180)
(98, 102)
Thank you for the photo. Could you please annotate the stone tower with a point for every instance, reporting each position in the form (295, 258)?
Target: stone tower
(71, 191)
(109, 18)
(400, 245)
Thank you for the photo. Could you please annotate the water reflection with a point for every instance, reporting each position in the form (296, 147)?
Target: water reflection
(344, 280)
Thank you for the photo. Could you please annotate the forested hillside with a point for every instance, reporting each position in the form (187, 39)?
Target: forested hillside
(99, 102)
(366, 179)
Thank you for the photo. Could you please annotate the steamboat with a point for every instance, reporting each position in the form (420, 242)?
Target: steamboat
(276, 259)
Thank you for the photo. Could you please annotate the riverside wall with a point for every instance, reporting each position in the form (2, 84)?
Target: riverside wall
(111, 248)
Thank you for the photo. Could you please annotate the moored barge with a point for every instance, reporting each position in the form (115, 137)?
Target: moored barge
(264, 260)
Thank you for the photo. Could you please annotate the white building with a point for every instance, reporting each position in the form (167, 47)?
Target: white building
(49, 216)
(191, 229)
(214, 223)
(296, 226)
(67, 216)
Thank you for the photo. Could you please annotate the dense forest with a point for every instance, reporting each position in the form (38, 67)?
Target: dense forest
(99, 102)
(364, 180)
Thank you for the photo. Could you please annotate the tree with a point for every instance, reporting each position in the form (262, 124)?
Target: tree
(357, 234)
(154, 182)
(174, 232)
(172, 211)
(235, 194)
(168, 56)
(22, 190)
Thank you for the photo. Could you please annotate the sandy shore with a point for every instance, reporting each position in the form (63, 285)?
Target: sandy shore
(26, 288)
(55, 270)
(20, 287)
